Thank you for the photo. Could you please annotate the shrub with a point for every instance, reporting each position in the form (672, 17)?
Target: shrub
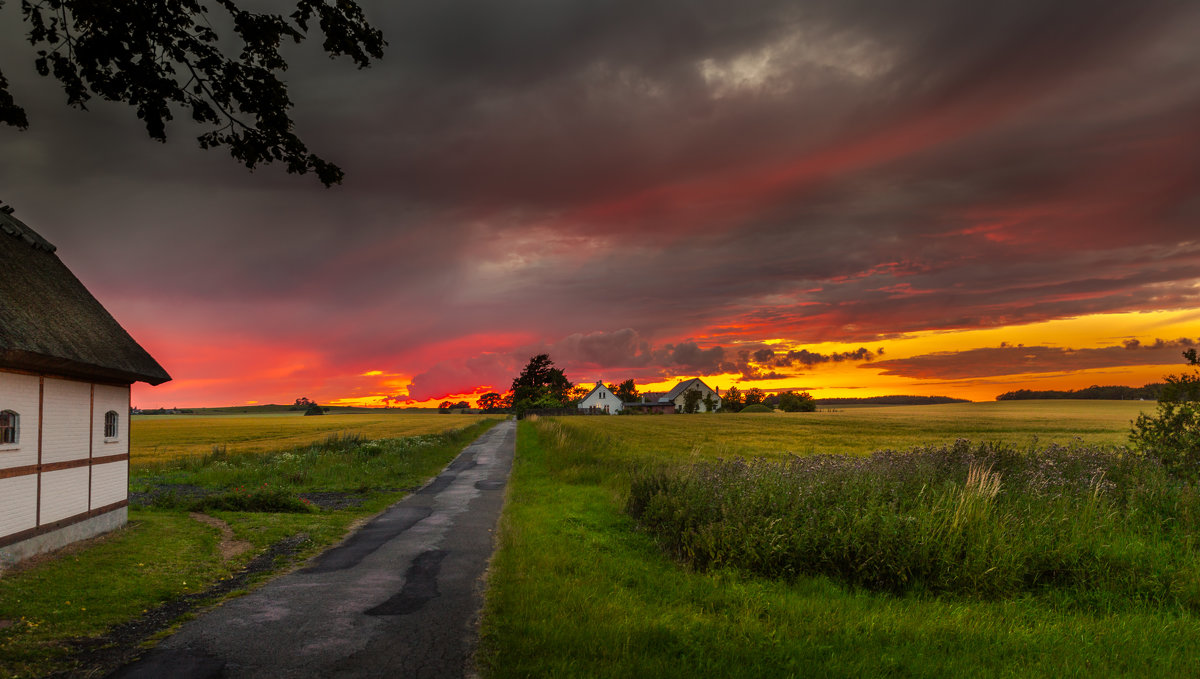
(258, 500)
(1172, 434)
(756, 408)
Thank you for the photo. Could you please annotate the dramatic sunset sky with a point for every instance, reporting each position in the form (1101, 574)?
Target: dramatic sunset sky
(850, 197)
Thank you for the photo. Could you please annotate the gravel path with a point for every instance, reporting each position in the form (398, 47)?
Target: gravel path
(398, 598)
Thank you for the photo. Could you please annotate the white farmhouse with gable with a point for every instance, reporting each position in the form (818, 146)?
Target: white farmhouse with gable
(601, 397)
(677, 395)
(65, 370)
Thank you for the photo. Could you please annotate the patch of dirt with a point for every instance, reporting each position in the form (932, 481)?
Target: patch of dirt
(228, 546)
(5, 624)
(121, 644)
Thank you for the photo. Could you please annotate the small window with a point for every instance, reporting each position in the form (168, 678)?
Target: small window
(110, 424)
(602, 394)
(9, 427)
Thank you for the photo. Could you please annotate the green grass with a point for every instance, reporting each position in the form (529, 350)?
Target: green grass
(163, 554)
(577, 590)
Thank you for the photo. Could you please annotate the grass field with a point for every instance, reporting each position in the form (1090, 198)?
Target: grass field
(577, 590)
(867, 429)
(156, 439)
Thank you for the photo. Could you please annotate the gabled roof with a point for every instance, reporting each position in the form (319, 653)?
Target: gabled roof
(49, 322)
(598, 387)
(682, 387)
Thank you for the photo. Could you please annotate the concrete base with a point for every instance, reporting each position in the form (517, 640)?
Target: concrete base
(89, 528)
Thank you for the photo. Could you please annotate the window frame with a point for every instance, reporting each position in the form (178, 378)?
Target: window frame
(10, 429)
(112, 426)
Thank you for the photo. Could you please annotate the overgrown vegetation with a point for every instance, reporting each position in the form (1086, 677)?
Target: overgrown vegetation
(576, 589)
(984, 520)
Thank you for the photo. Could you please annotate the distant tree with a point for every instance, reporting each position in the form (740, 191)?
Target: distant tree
(732, 400)
(461, 405)
(753, 396)
(314, 409)
(506, 401)
(626, 391)
(445, 406)
(165, 58)
(1172, 434)
(691, 401)
(791, 402)
(489, 401)
(540, 385)
(302, 402)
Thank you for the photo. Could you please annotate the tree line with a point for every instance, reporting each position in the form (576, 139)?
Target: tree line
(1149, 392)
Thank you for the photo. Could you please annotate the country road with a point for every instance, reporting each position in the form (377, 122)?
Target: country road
(399, 598)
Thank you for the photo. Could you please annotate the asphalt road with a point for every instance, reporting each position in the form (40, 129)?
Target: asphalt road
(399, 598)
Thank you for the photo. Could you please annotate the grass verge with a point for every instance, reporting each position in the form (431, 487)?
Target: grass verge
(57, 610)
(576, 590)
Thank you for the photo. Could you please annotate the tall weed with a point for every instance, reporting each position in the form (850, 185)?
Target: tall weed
(988, 520)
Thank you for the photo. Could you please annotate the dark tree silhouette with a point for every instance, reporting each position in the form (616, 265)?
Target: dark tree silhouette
(540, 385)
(165, 57)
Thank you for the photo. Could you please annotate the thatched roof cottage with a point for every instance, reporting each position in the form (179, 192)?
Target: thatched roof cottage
(65, 370)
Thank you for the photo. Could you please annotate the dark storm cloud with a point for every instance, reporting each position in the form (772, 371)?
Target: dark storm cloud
(519, 172)
(1014, 360)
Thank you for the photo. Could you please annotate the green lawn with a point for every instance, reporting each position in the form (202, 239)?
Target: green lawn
(577, 590)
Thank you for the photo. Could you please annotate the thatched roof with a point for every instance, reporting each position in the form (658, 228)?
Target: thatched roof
(50, 323)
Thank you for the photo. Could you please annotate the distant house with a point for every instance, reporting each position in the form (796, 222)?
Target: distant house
(677, 395)
(601, 397)
(65, 370)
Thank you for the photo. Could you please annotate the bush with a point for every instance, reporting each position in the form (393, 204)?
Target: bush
(987, 520)
(757, 408)
(259, 500)
(1172, 434)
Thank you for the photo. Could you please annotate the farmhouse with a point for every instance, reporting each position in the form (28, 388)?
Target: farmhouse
(65, 370)
(678, 394)
(671, 402)
(601, 397)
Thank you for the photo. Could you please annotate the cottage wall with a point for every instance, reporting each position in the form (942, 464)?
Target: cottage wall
(62, 476)
(681, 399)
(603, 399)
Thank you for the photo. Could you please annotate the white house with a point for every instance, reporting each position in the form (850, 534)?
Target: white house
(677, 395)
(601, 397)
(65, 370)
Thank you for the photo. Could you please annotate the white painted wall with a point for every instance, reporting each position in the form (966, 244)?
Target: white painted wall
(65, 421)
(19, 393)
(110, 398)
(18, 504)
(110, 483)
(71, 421)
(600, 398)
(64, 494)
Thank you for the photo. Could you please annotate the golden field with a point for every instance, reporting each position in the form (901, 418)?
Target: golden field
(161, 438)
(864, 429)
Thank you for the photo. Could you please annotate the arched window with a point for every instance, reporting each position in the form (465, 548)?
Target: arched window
(110, 424)
(9, 427)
